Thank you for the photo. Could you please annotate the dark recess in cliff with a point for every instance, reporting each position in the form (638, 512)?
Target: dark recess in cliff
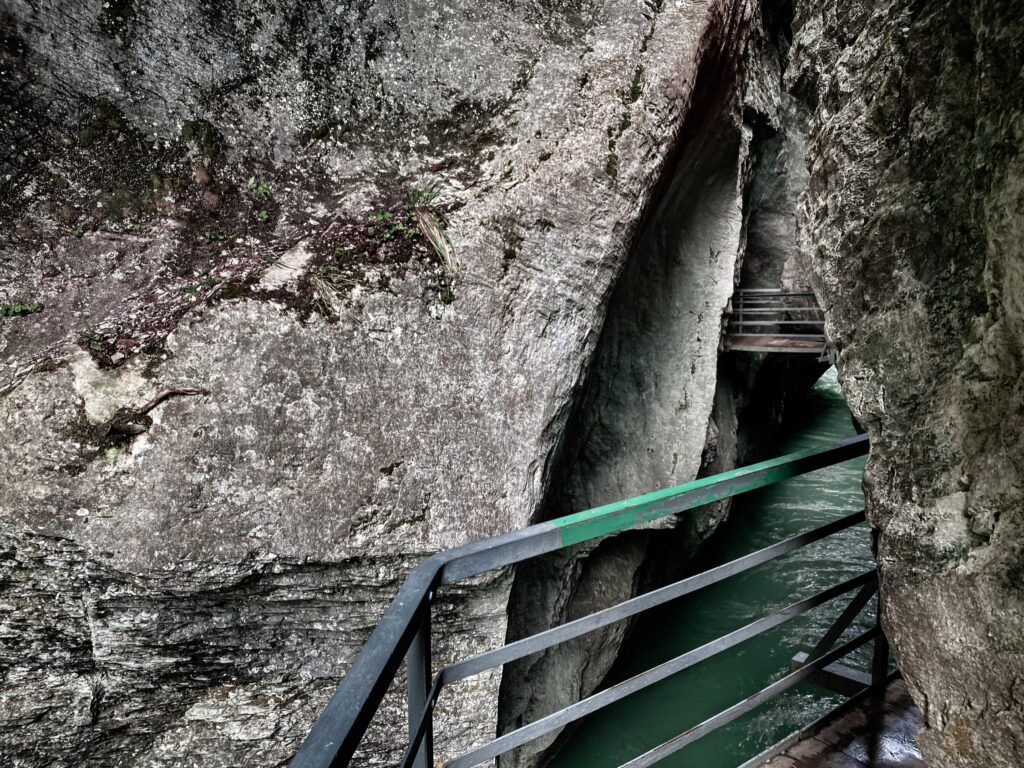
(617, 436)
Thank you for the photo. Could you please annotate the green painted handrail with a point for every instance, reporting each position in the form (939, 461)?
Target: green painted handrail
(404, 628)
(628, 513)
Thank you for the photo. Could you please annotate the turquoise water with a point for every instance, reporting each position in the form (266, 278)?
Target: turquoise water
(647, 718)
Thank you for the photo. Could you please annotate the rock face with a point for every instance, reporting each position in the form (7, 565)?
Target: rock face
(444, 269)
(913, 222)
(384, 240)
(728, 196)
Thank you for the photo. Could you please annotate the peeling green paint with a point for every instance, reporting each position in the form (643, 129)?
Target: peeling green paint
(620, 515)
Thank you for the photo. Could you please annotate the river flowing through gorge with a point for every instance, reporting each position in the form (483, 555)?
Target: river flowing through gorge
(645, 719)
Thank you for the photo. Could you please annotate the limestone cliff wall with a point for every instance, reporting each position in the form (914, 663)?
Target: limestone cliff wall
(727, 203)
(913, 224)
(383, 238)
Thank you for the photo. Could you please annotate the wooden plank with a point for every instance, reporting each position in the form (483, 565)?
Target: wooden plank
(812, 753)
(774, 343)
(880, 732)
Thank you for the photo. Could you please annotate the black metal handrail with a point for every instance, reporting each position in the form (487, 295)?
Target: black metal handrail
(404, 630)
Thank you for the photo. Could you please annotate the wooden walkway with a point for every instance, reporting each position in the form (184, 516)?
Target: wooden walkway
(771, 320)
(738, 342)
(879, 732)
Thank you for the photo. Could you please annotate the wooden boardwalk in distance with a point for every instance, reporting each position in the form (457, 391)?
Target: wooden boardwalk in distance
(877, 732)
(738, 342)
(772, 320)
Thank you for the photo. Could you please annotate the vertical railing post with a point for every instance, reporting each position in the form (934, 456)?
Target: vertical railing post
(880, 657)
(418, 673)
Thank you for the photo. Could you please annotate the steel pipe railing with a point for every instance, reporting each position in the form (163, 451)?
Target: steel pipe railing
(404, 630)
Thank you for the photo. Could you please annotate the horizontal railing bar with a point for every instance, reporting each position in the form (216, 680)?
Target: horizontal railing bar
(776, 300)
(777, 322)
(751, 702)
(770, 292)
(764, 308)
(767, 349)
(790, 336)
(766, 297)
(624, 610)
(765, 318)
(602, 699)
(795, 315)
(336, 734)
(773, 306)
(619, 516)
(780, 309)
(478, 557)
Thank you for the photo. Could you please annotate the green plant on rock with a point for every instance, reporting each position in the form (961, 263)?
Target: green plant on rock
(104, 124)
(422, 196)
(384, 226)
(636, 87)
(628, 97)
(380, 245)
(257, 189)
(19, 309)
(194, 289)
(95, 341)
(201, 138)
(213, 234)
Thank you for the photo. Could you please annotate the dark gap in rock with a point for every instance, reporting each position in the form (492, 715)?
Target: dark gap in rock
(651, 368)
(658, 323)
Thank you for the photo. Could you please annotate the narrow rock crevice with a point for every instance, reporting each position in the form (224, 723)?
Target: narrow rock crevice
(661, 405)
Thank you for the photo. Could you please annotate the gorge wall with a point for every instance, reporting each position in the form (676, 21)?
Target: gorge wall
(913, 222)
(418, 258)
(295, 294)
(658, 383)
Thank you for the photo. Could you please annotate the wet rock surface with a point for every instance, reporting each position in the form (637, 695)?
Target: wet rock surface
(912, 222)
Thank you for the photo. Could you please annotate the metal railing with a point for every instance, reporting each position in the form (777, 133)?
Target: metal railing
(772, 320)
(404, 630)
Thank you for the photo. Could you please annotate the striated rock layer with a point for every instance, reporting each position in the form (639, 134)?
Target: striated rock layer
(913, 222)
(296, 293)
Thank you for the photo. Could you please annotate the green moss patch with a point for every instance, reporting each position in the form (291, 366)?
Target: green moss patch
(404, 231)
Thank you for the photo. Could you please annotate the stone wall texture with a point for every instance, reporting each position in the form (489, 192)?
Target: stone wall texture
(912, 221)
(394, 276)
(240, 198)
